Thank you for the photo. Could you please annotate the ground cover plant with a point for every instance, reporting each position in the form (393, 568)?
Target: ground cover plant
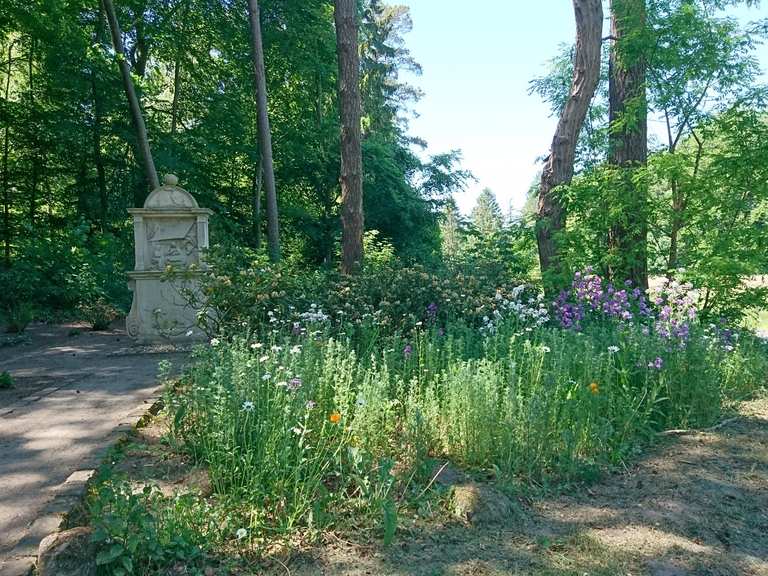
(318, 419)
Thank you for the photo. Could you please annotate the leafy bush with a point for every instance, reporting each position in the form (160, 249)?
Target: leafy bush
(6, 380)
(143, 533)
(243, 290)
(98, 313)
(53, 276)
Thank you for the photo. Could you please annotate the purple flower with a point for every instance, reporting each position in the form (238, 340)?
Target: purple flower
(294, 384)
(407, 351)
(656, 364)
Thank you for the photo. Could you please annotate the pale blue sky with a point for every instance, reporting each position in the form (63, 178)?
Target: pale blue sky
(477, 59)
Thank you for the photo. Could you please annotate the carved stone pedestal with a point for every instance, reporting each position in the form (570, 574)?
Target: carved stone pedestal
(171, 232)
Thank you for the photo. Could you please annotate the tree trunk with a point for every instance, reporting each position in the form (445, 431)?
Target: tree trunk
(176, 88)
(256, 199)
(345, 15)
(558, 168)
(265, 135)
(97, 157)
(35, 140)
(6, 148)
(628, 139)
(130, 92)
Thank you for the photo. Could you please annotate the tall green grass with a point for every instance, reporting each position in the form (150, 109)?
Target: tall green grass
(303, 431)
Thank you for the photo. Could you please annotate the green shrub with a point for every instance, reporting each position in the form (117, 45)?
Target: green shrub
(51, 276)
(6, 380)
(98, 313)
(243, 290)
(139, 533)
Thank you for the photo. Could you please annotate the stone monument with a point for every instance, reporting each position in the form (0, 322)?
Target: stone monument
(171, 233)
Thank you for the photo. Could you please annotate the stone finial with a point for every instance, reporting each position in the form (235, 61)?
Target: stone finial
(170, 180)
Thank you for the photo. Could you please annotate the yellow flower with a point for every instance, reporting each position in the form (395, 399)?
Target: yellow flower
(335, 417)
(594, 388)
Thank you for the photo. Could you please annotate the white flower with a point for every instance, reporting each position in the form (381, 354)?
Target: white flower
(264, 358)
(296, 430)
(215, 342)
(360, 401)
(241, 533)
(546, 349)
(296, 349)
(613, 349)
(248, 406)
(256, 345)
(190, 332)
(266, 376)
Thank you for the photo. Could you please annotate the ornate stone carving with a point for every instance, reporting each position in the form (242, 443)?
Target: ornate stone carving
(172, 244)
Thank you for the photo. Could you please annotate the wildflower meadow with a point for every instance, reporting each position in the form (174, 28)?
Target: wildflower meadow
(323, 416)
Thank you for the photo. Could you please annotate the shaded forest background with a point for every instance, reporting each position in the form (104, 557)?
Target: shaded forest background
(69, 167)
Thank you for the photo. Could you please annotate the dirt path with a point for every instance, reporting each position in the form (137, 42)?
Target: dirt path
(74, 389)
(698, 505)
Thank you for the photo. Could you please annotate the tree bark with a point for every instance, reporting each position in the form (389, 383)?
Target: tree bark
(558, 168)
(97, 156)
(265, 135)
(256, 185)
(130, 92)
(98, 159)
(35, 140)
(345, 16)
(6, 149)
(176, 88)
(628, 139)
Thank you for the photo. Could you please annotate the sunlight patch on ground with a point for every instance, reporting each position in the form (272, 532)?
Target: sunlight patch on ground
(647, 540)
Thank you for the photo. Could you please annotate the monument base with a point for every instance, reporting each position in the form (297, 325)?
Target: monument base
(161, 310)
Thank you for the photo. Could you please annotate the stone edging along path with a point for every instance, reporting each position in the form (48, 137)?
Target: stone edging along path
(76, 393)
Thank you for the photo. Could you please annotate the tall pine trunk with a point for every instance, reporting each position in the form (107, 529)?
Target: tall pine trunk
(256, 186)
(35, 172)
(98, 114)
(130, 92)
(6, 149)
(101, 177)
(265, 136)
(176, 90)
(345, 15)
(558, 169)
(628, 140)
